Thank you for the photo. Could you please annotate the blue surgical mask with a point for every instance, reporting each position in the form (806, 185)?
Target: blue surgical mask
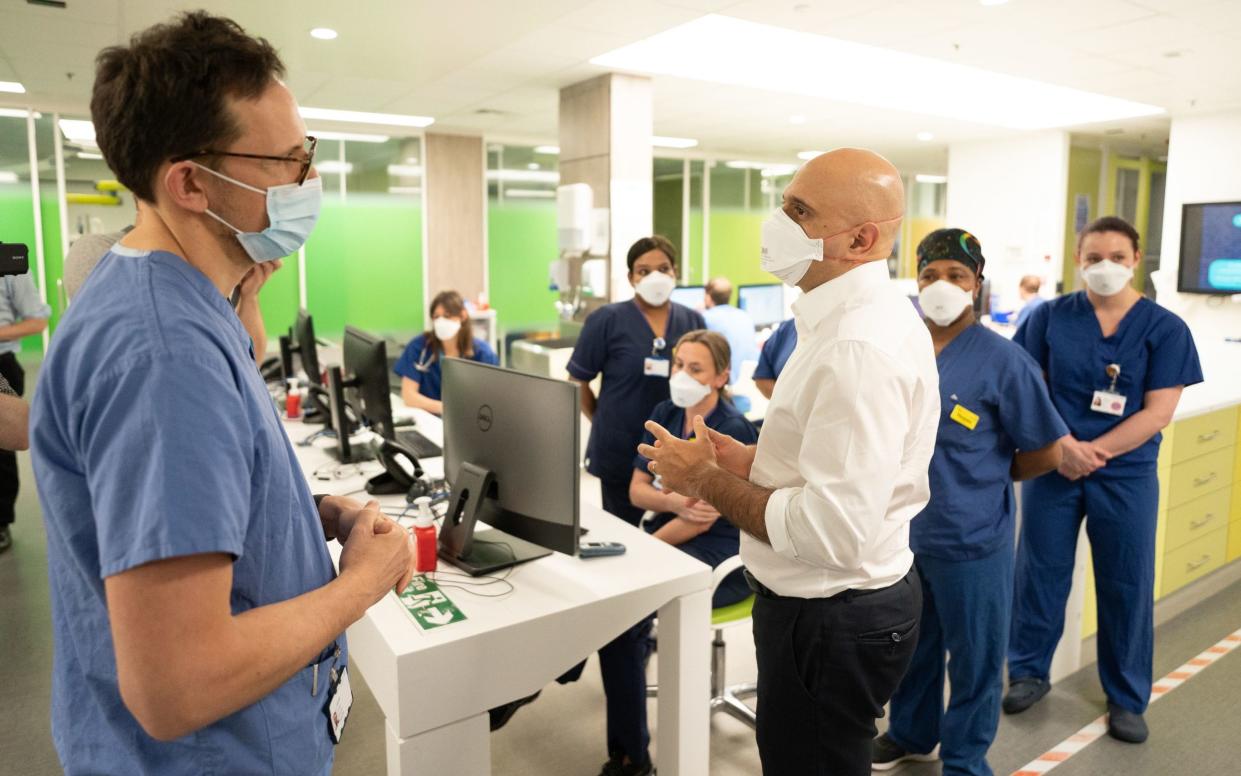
(292, 211)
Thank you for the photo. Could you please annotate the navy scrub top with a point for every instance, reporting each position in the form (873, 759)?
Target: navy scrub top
(776, 351)
(616, 341)
(420, 363)
(723, 536)
(993, 385)
(1152, 345)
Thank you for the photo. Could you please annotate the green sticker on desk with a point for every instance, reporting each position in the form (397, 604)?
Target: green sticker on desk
(429, 607)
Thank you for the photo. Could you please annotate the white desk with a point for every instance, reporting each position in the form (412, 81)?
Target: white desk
(435, 687)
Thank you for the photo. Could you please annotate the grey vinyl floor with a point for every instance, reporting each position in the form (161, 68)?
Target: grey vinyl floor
(1195, 730)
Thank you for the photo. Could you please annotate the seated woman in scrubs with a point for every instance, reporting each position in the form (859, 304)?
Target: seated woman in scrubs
(451, 336)
(997, 424)
(630, 344)
(1116, 364)
(700, 371)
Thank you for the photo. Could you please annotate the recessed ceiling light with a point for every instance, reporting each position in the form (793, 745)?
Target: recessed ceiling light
(78, 131)
(89, 156)
(17, 113)
(405, 170)
(797, 118)
(992, 2)
(524, 176)
(922, 178)
(663, 141)
(8, 176)
(12, 87)
(926, 137)
(790, 61)
(323, 33)
(334, 167)
(363, 117)
(532, 166)
(806, 156)
(547, 149)
(356, 137)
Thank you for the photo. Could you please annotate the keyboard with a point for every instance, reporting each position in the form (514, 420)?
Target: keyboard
(422, 447)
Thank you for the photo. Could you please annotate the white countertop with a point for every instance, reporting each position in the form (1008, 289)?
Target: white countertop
(1221, 368)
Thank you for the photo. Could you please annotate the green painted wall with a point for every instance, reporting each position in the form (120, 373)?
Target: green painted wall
(363, 267)
(1085, 169)
(736, 238)
(278, 301)
(521, 243)
(17, 225)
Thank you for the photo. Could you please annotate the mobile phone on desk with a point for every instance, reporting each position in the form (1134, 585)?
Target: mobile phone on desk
(600, 549)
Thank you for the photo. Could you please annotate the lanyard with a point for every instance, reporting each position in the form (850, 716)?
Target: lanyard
(1113, 372)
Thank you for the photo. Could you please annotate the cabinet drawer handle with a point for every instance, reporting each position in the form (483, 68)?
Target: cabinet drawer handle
(1209, 436)
(1195, 524)
(1200, 481)
(1204, 560)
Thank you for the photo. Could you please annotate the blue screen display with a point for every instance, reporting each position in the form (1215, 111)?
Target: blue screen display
(1211, 249)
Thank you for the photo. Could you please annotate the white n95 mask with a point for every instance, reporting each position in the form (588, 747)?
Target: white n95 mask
(446, 328)
(943, 302)
(292, 211)
(655, 288)
(1107, 278)
(787, 251)
(686, 391)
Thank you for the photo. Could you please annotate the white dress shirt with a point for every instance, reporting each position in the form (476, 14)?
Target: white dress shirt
(847, 441)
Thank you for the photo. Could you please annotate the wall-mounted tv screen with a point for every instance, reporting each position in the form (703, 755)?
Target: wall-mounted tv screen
(1210, 248)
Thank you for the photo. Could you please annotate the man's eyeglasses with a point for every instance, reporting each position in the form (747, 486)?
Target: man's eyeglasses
(306, 162)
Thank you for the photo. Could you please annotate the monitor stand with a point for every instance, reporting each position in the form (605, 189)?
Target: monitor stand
(481, 552)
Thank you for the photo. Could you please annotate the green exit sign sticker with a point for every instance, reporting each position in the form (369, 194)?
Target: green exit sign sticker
(428, 606)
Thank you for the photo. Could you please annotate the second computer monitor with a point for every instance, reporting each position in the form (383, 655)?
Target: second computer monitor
(306, 347)
(366, 370)
(523, 430)
(764, 303)
(692, 297)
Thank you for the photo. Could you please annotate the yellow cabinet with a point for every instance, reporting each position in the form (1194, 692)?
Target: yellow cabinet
(1234, 542)
(1205, 434)
(1197, 518)
(1196, 559)
(1199, 476)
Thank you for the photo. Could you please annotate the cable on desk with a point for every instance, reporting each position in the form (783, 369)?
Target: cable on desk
(461, 581)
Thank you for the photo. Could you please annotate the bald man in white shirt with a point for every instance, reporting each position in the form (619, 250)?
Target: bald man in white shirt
(825, 498)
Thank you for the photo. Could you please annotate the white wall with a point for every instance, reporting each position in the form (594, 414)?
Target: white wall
(1204, 165)
(1011, 195)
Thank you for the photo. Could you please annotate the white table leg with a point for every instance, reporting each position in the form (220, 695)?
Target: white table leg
(459, 748)
(683, 742)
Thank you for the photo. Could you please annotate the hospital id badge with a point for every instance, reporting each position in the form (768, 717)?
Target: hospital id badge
(1108, 402)
(340, 701)
(655, 367)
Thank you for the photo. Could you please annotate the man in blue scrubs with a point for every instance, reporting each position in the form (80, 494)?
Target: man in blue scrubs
(1116, 364)
(997, 424)
(197, 619)
(734, 323)
(774, 355)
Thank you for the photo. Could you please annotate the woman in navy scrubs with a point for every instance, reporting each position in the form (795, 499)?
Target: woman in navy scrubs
(997, 424)
(629, 343)
(1116, 364)
(451, 336)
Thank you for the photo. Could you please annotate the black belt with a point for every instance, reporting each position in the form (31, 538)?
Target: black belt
(845, 595)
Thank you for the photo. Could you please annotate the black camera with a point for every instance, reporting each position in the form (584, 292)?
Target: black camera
(14, 259)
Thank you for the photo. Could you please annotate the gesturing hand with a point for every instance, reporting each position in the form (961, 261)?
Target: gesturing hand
(680, 463)
(732, 456)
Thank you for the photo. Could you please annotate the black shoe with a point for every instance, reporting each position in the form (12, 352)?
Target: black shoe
(6, 538)
(1124, 725)
(886, 754)
(500, 715)
(1024, 693)
(616, 766)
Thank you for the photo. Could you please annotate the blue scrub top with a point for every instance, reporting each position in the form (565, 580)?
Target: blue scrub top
(971, 511)
(1152, 345)
(420, 363)
(1029, 309)
(776, 351)
(615, 341)
(723, 536)
(157, 444)
(738, 328)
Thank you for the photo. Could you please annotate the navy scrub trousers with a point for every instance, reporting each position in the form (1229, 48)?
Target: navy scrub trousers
(1120, 514)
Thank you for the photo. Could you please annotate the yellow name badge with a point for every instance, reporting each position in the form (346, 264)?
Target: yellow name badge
(964, 417)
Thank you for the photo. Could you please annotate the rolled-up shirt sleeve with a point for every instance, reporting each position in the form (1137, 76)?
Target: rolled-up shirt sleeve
(850, 458)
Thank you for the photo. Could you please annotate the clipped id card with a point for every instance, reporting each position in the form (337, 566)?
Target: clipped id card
(1108, 403)
(340, 701)
(656, 367)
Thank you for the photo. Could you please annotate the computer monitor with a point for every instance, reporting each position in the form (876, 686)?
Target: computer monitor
(1210, 259)
(343, 419)
(692, 297)
(366, 381)
(511, 458)
(306, 347)
(764, 303)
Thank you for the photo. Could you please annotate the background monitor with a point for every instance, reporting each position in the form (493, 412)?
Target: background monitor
(306, 347)
(366, 380)
(764, 303)
(692, 297)
(1210, 248)
(524, 430)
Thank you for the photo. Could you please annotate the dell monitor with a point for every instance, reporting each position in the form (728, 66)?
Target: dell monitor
(1210, 248)
(693, 297)
(764, 303)
(511, 458)
(307, 350)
